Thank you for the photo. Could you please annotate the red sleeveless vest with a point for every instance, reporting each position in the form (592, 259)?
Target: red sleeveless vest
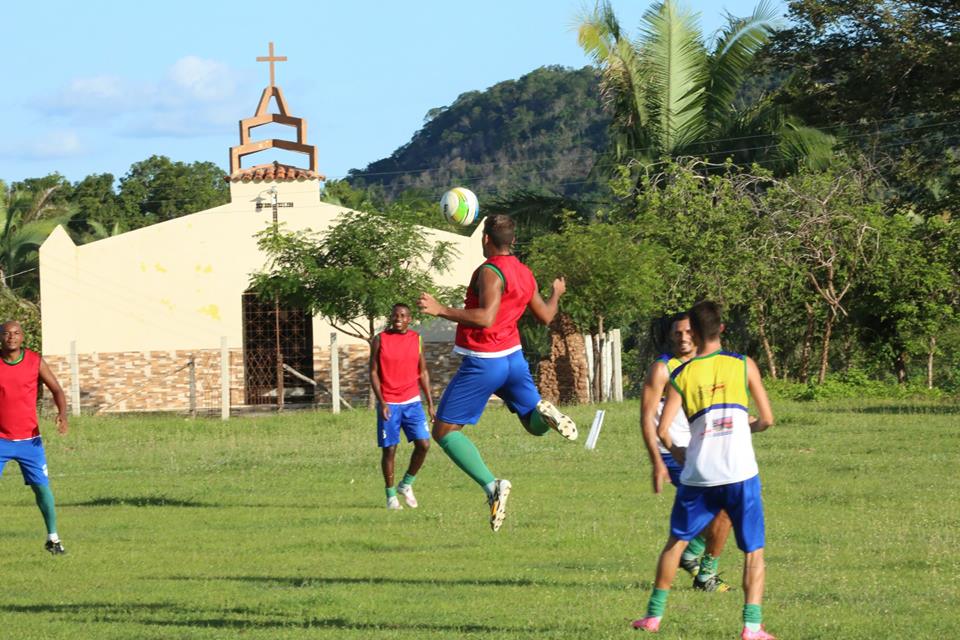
(18, 397)
(399, 366)
(518, 288)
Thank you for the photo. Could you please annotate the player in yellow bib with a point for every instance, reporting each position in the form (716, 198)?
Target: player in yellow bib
(720, 469)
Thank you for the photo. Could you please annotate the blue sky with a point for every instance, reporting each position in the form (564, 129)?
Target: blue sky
(94, 86)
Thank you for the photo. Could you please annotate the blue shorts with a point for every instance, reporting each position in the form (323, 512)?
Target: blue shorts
(673, 468)
(508, 377)
(409, 417)
(29, 454)
(695, 507)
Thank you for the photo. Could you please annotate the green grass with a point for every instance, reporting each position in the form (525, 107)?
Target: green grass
(275, 528)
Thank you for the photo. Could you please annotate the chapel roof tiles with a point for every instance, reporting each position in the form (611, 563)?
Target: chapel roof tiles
(273, 172)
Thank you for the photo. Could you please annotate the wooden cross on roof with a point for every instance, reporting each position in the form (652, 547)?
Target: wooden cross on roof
(271, 59)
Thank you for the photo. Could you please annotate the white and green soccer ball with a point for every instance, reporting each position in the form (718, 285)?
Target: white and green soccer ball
(460, 206)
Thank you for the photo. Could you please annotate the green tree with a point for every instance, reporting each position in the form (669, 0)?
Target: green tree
(911, 297)
(611, 277)
(827, 227)
(883, 74)
(158, 189)
(669, 96)
(352, 273)
(26, 219)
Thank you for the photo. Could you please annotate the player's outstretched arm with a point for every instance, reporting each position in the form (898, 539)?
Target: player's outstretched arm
(546, 310)
(653, 385)
(759, 395)
(490, 291)
(59, 397)
(375, 377)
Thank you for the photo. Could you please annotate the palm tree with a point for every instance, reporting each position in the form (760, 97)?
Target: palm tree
(669, 96)
(26, 219)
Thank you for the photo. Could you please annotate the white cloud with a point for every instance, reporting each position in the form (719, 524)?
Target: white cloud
(206, 80)
(50, 145)
(191, 98)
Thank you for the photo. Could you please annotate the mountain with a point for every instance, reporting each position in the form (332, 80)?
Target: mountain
(541, 132)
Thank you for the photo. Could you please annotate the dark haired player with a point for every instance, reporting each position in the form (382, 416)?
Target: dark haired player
(398, 373)
(500, 290)
(19, 428)
(720, 469)
(701, 557)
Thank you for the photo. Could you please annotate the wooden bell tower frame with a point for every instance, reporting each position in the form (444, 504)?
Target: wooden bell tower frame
(262, 117)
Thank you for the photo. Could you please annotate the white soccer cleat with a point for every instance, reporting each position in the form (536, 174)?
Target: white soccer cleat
(393, 504)
(407, 492)
(559, 422)
(498, 503)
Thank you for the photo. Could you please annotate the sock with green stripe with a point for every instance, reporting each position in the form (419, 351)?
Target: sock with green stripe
(657, 603)
(708, 567)
(752, 616)
(695, 548)
(391, 492)
(45, 501)
(407, 480)
(466, 456)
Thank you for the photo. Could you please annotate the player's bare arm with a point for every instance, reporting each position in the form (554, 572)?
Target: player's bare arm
(653, 386)
(546, 310)
(375, 377)
(59, 397)
(759, 394)
(425, 387)
(490, 291)
(670, 409)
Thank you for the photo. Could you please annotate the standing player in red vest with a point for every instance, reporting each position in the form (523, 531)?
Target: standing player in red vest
(500, 290)
(19, 428)
(398, 373)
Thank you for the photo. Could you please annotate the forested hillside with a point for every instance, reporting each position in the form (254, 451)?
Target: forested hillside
(542, 131)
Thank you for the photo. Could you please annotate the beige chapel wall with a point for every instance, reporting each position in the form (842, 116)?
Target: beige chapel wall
(177, 285)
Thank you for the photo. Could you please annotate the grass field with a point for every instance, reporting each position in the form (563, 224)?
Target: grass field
(275, 528)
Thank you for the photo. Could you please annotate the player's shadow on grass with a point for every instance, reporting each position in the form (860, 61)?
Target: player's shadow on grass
(300, 582)
(137, 501)
(172, 615)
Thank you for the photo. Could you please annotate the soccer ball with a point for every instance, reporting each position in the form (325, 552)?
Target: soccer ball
(460, 206)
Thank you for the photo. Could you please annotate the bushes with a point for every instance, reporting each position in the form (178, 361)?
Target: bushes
(853, 384)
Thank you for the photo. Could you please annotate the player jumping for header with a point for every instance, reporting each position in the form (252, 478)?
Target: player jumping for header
(500, 290)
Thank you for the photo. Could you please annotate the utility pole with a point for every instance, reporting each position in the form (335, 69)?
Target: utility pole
(276, 313)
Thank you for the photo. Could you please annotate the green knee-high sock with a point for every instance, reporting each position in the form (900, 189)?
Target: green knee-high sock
(657, 603)
(708, 567)
(45, 502)
(695, 549)
(466, 456)
(535, 424)
(752, 616)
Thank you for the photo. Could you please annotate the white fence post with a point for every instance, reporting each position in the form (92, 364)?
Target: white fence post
(588, 347)
(605, 366)
(224, 379)
(617, 349)
(74, 379)
(334, 372)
